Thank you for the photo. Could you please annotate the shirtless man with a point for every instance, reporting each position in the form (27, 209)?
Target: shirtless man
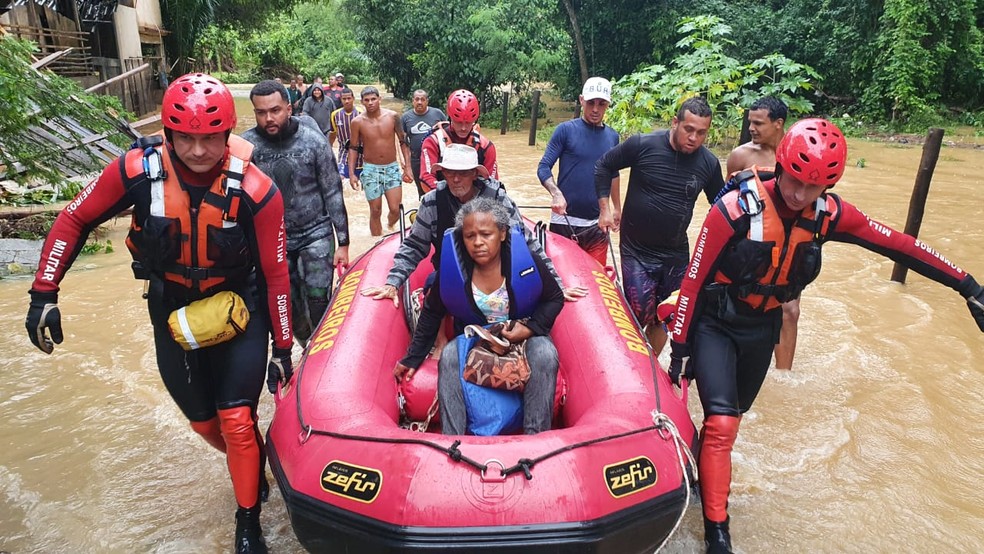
(766, 119)
(376, 134)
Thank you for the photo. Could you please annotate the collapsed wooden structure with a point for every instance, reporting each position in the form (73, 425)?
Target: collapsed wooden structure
(98, 40)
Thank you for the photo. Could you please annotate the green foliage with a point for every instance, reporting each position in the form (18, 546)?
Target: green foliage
(928, 53)
(316, 40)
(474, 44)
(654, 93)
(96, 246)
(223, 53)
(326, 43)
(249, 14)
(41, 97)
(619, 36)
(903, 62)
(390, 32)
(186, 20)
(901, 85)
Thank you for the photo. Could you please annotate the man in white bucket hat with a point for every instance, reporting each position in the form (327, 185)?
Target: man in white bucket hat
(465, 179)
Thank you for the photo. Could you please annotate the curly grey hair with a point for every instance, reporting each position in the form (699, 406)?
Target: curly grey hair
(484, 205)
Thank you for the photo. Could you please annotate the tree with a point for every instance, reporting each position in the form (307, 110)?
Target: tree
(390, 31)
(315, 38)
(582, 59)
(474, 44)
(186, 19)
(654, 93)
(928, 54)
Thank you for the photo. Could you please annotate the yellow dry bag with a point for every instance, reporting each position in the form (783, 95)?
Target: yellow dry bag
(209, 321)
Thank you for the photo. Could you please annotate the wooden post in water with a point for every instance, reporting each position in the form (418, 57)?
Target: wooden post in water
(577, 109)
(744, 136)
(505, 113)
(534, 113)
(920, 191)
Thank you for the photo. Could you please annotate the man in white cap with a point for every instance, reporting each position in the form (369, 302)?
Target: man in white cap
(578, 144)
(464, 179)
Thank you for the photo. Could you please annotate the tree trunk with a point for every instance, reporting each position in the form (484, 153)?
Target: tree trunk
(582, 59)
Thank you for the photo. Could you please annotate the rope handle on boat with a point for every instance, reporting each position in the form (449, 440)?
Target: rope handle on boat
(526, 464)
(684, 456)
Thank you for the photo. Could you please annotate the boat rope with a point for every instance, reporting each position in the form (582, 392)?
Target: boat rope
(526, 464)
(684, 456)
(452, 451)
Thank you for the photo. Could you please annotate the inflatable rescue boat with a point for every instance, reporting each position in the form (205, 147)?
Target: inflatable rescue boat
(357, 476)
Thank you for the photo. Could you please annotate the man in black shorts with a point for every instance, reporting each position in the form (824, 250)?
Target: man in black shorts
(669, 169)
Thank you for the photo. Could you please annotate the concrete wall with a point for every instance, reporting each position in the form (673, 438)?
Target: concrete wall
(149, 13)
(19, 256)
(127, 32)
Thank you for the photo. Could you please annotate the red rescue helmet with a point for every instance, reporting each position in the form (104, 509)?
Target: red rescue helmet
(814, 151)
(198, 104)
(463, 106)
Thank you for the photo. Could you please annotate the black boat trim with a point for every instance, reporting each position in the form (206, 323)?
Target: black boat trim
(322, 527)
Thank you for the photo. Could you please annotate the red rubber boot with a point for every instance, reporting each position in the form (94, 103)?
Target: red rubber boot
(211, 432)
(714, 470)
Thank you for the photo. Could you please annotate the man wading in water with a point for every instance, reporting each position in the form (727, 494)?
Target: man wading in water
(207, 225)
(375, 136)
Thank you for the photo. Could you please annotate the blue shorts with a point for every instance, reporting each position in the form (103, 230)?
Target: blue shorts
(647, 283)
(377, 179)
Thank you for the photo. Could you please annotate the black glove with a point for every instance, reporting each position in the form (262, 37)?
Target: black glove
(680, 363)
(280, 368)
(43, 317)
(974, 294)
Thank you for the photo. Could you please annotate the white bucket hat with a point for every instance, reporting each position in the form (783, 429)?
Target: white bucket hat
(461, 157)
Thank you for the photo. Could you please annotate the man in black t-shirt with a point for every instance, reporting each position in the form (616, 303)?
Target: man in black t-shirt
(669, 169)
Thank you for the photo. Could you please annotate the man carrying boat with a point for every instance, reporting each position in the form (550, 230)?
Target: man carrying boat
(758, 248)
(208, 235)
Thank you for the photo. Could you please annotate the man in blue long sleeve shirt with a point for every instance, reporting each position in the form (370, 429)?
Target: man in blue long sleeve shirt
(578, 144)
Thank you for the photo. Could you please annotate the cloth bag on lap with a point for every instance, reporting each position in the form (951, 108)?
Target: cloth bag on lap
(490, 411)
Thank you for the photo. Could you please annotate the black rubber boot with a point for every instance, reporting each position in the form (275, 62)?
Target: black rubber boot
(249, 536)
(717, 537)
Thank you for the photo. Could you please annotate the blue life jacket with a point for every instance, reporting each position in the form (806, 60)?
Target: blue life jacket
(489, 411)
(523, 280)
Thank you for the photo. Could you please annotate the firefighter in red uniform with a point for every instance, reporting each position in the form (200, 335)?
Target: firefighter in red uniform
(758, 248)
(463, 111)
(205, 221)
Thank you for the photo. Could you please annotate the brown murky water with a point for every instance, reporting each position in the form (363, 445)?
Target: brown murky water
(869, 445)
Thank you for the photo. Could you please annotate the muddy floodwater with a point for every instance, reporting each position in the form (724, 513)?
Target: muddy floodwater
(869, 445)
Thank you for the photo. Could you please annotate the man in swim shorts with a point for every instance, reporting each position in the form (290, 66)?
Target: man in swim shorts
(376, 135)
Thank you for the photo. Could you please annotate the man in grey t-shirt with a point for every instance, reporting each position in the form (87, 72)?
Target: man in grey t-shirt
(417, 124)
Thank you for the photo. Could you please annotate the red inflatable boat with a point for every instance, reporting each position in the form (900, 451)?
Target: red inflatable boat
(609, 477)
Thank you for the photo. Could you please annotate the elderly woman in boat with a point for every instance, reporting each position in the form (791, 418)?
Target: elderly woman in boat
(489, 276)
